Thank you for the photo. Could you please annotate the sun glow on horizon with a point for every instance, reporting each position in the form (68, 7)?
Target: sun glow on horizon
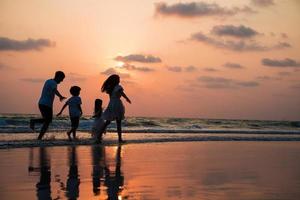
(120, 64)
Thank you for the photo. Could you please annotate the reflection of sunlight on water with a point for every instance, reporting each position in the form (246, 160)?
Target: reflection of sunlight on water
(195, 170)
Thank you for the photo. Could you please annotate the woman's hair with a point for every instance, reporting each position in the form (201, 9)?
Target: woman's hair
(110, 83)
(98, 106)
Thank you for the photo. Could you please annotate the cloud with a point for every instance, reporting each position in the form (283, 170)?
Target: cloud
(33, 80)
(233, 65)
(138, 58)
(234, 31)
(128, 82)
(284, 35)
(76, 77)
(174, 68)
(235, 45)
(198, 9)
(282, 45)
(210, 69)
(4, 66)
(267, 78)
(225, 83)
(182, 69)
(111, 71)
(7, 44)
(130, 67)
(247, 83)
(295, 86)
(287, 62)
(284, 73)
(263, 3)
(190, 68)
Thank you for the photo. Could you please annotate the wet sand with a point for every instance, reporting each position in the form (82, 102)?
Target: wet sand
(177, 170)
(21, 140)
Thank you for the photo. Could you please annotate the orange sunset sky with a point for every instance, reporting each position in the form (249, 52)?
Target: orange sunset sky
(209, 59)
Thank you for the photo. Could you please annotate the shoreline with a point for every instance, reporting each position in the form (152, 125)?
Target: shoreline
(191, 131)
(59, 139)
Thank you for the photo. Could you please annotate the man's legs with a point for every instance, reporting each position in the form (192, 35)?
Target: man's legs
(43, 129)
(47, 119)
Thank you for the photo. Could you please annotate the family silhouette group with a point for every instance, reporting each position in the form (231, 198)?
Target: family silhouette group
(114, 111)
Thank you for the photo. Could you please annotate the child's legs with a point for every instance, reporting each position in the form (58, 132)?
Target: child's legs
(119, 128)
(74, 124)
(73, 130)
(107, 122)
(99, 135)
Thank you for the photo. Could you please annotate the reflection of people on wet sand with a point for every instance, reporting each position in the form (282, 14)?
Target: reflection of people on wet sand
(46, 102)
(98, 162)
(115, 109)
(73, 180)
(114, 181)
(43, 187)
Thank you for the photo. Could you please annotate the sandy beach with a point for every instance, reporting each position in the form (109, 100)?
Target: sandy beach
(177, 170)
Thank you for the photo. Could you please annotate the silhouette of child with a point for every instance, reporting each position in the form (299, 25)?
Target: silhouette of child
(75, 110)
(98, 122)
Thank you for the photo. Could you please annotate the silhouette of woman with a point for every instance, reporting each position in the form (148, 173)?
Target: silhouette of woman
(115, 109)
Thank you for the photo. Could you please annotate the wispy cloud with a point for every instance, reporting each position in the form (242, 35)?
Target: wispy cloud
(190, 68)
(33, 80)
(4, 66)
(235, 45)
(284, 35)
(240, 31)
(284, 73)
(287, 62)
(76, 77)
(182, 69)
(210, 69)
(111, 71)
(138, 58)
(7, 44)
(263, 3)
(225, 83)
(198, 9)
(174, 68)
(131, 67)
(295, 86)
(267, 78)
(233, 65)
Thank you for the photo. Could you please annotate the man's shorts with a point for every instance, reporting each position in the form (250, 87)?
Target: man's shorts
(46, 112)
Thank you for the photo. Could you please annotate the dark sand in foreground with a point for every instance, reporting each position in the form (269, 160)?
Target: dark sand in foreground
(178, 170)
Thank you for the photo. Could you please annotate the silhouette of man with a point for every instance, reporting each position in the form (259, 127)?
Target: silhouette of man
(46, 102)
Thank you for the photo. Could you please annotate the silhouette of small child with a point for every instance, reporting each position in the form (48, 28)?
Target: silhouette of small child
(98, 122)
(75, 110)
(98, 108)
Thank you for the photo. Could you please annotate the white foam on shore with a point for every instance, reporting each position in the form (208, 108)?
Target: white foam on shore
(166, 131)
(60, 139)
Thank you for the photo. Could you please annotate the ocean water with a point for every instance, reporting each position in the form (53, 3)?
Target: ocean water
(19, 123)
(15, 132)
